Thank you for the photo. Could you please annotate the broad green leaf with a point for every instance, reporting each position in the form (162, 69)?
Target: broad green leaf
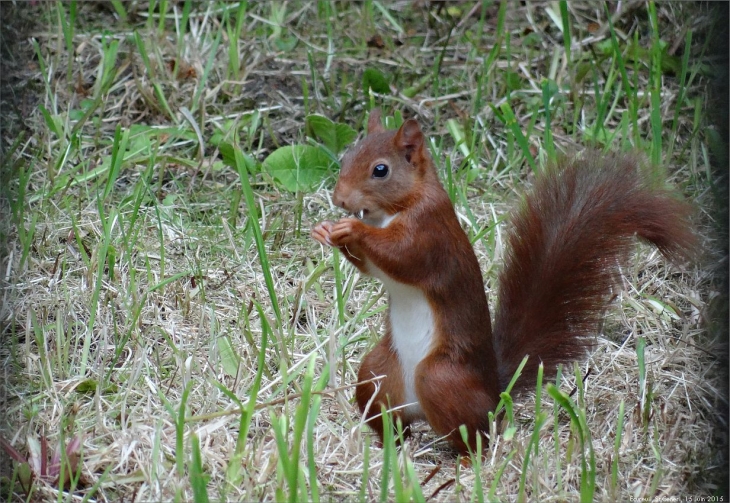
(229, 359)
(333, 135)
(298, 167)
(375, 80)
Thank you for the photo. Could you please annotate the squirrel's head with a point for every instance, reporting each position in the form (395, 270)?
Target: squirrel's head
(383, 173)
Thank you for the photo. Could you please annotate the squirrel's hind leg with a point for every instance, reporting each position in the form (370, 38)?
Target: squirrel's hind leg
(388, 392)
(452, 394)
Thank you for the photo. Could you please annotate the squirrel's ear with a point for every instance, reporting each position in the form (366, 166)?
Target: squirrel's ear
(409, 137)
(374, 124)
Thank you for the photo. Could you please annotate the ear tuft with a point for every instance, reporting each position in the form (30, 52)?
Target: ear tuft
(374, 124)
(409, 136)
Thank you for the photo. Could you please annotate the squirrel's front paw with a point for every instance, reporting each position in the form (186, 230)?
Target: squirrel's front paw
(344, 231)
(321, 232)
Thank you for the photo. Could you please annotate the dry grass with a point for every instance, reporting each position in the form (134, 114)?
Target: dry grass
(116, 353)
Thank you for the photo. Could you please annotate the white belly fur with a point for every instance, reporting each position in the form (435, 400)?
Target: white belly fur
(412, 330)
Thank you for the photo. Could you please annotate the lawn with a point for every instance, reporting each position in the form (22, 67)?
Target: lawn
(171, 332)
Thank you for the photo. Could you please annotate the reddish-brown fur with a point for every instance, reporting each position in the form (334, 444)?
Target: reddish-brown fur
(565, 246)
(381, 361)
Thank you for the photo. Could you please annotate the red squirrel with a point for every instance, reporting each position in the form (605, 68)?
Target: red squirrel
(440, 359)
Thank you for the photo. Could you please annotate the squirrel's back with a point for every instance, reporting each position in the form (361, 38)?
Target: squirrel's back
(565, 245)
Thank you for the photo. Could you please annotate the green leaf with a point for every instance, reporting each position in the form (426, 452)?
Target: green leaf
(52, 121)
(87, 386)
(333, 135)
(25, 477)
(223, 132)
(226, 150)
(229, 157)
(229, 358)
(375, 80)
(513, 80)
(140, 143)
(298, 167)
(286, 44)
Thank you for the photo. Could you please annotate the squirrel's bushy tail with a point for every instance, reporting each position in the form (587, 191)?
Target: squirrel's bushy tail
(564, 248)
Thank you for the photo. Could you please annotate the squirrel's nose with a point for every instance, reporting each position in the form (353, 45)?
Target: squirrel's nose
(338, 199)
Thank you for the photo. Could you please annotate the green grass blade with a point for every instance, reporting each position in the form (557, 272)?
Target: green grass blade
(339, 293)
(198, 478)
(548, 90)
(533, 445)
(314, 407)
(629, 91)
(655, 90)
(250, 408)
(578, 420)
(616, 451)
(244, 172)
(683, 84)
(511, 122)
(119, 147)
(118, 6)
(565, 18)
(492, 496)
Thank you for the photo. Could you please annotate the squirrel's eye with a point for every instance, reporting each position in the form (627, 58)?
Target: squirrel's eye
(380, 171)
